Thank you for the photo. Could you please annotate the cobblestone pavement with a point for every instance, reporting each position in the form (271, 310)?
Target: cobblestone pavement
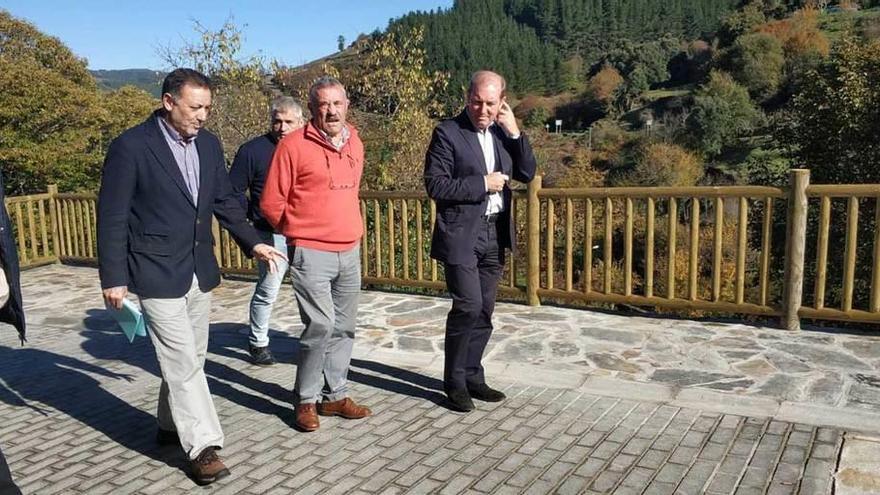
(589, 410)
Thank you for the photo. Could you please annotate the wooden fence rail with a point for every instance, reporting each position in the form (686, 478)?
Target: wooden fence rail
(712, 249)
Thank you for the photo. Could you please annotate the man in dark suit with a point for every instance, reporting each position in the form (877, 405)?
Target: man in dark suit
(163, 180)
(467, 168)
(11, 307)
(11, 310)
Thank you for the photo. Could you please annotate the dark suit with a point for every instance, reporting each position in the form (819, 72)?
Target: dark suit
(12, 311)
(151, 237)
(470, 246)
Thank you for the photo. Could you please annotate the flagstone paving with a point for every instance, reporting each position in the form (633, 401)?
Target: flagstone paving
(599, 403)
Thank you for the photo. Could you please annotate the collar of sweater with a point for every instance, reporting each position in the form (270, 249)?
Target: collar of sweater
(319, 136)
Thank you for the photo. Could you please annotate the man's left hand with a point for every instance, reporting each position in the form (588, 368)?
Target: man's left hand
(270, 255)
(507, 120)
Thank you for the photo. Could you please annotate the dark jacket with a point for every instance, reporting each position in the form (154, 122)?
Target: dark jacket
(454, 171)
(151, 237)
(13, 311)
(248, 173)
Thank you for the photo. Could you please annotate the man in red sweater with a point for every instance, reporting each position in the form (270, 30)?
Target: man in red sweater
(311, 197)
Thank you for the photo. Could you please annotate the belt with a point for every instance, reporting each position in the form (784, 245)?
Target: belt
(492, 218)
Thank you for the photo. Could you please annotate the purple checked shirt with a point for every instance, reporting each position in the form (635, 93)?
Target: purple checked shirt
(186, 155)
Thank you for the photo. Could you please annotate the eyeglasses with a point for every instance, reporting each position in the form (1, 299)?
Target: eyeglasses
(340, 178)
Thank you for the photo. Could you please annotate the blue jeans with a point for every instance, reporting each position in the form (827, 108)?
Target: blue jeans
(266, 291)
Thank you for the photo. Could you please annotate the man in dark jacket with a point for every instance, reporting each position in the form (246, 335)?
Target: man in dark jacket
(162, 183)
(11, 311)
(248, 173)
(468, 165)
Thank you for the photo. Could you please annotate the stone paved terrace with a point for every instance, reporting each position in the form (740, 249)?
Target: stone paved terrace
(599, 403)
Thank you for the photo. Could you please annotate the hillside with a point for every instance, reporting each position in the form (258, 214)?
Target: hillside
(146, 79)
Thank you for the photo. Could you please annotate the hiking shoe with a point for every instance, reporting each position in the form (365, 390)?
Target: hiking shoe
(262, 356)
(208, 468)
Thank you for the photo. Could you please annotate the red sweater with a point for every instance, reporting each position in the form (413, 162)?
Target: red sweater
(311, 191)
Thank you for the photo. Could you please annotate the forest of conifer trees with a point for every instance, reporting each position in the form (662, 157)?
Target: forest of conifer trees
(529, 40)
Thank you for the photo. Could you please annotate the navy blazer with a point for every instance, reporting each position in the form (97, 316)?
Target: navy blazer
(12, 311)
(151, 236)
(454, 171)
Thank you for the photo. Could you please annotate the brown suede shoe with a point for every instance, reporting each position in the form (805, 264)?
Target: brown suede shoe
(306, 417)
(345, 408)
(208, 468)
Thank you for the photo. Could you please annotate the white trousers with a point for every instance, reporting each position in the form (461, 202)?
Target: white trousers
(178, 328)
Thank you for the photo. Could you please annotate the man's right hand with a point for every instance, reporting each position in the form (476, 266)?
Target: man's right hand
(495, 182)
(113, 296)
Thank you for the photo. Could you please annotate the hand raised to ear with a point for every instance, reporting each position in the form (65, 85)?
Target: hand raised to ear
(507, 120)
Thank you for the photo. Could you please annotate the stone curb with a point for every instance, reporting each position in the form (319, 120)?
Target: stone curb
(703, 399)
(858, 472)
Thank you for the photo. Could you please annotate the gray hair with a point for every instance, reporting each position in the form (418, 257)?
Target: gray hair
(284, 103)
(321, 83)
(481, 76)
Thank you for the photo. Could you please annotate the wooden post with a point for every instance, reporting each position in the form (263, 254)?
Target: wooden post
(588, 245)
(849, 257)
(550, 246)
(875, 275)
(53, 222)
(404, 237)
(649, 249)
(365, 263)
(533, 242)
(795, 245)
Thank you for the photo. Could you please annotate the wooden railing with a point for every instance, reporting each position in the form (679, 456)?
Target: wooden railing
(77, 217)
(861, 261)
(683, 216)
(34, 221)
(712, 249)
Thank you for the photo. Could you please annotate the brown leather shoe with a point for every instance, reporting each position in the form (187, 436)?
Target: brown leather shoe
(208, 468)
(345, 408)
(306, 417)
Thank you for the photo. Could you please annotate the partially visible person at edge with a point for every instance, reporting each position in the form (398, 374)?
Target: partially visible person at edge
(468, 165)
(11, 310)
(248, 173)
(311, 197)
(162, 183)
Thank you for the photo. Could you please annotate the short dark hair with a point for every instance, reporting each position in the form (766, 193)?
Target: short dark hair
(178, 78)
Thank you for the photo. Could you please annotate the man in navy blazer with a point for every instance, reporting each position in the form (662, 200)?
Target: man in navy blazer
(162, 183)
(468, 165)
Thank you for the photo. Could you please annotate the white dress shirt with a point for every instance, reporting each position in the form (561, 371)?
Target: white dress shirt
(487, 143)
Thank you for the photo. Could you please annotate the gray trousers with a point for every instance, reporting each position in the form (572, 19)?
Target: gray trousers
(178, 328)
(327, 285)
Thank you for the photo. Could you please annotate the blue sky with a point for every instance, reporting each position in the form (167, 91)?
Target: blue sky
(125, 34)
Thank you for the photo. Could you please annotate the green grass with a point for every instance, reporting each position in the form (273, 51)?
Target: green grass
(836, 24)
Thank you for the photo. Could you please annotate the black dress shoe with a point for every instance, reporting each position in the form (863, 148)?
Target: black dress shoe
(485, 393)
(167, 437)
(460, 401)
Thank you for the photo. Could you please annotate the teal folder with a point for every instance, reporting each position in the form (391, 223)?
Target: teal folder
(130, 319)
